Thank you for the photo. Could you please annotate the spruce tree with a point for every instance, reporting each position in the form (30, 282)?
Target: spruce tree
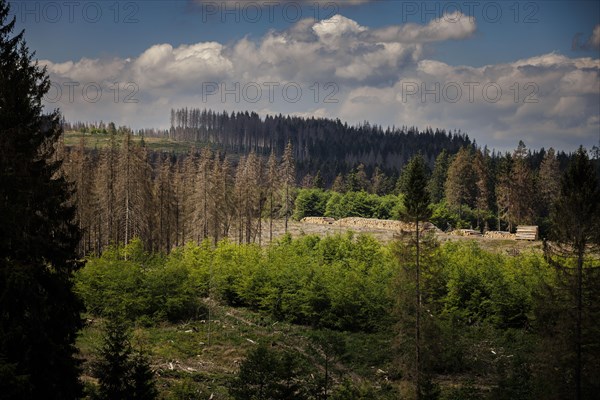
(288, 172)
(39, 314)
(575, 232)
(461, 181)
(416, 199)
(435, 187)
(122, 374)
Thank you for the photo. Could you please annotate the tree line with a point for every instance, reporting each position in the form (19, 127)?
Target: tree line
(319, 144)
(125, 190)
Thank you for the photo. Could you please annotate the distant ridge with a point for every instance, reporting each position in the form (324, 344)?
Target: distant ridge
(320, 144)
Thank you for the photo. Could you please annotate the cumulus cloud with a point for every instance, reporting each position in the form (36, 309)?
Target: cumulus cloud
(548, 100)
(340, 68)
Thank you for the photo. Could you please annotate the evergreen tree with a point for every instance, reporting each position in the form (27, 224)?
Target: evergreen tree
(114, 365)
(461, 181)
(339, 185)
(288, 170)
(273, 181)
(122, 375)
(576, 230)
(380, 184)
(144, 386)
(318, 182)
(515, 189)
(549, 181)
(39, 314)
(483, 190)
(524, 192)
(269, 375)
(435, 187)
(416, 201)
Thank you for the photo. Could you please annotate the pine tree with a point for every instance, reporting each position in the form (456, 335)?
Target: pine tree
(576, 232)
(39, 315)
(549, 181)
(482, 195)
(318, 181)
(273, 182)
(461, 181)
(380, 184)
(122, 374)
(142, 377)
(515, 189)
(435, 187)
(416, 201)
(523, 183)
(339, 185)
(114, 365)
(288, 169)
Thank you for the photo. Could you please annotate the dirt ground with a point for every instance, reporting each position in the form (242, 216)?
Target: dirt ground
(296, 229)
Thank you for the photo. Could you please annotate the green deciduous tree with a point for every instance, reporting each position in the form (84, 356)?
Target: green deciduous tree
(39, 314)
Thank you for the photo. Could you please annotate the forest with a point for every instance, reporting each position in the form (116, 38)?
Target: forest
(125, 189)
(135, 273)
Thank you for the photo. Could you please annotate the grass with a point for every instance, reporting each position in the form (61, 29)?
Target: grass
(99, 140)
(200, 358)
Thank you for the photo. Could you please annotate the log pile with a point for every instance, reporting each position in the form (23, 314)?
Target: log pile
(318, 220)
(384, 224)
(499, 235)
(371, 223)
(525, 232)
(465, 232)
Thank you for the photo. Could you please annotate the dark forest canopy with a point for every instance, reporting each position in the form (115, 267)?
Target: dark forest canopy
(319, 144)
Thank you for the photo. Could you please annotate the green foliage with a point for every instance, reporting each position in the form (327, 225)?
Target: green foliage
(338, 282)
(363, 204)
(482, 287)
(140, 285)
(121, 373)
(413, 184)
(481, 312)
(268, 374)
(310, 203)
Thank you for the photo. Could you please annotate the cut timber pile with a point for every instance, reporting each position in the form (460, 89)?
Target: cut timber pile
(499, 235)
(465, 232)
(318, 220)
(525, 232)
(385, 224)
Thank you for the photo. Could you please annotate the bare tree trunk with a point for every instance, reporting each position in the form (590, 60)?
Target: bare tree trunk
(418, 320)
(579, 295)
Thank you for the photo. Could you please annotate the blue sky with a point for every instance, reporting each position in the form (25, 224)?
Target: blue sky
(431, 63)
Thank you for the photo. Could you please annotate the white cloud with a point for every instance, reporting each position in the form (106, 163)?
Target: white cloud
(353, 72)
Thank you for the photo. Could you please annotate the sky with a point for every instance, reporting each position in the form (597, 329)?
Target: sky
(500, 71)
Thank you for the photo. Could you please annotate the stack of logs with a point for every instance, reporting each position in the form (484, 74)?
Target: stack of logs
(499, 235)
(370, 223)
(318, 220)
